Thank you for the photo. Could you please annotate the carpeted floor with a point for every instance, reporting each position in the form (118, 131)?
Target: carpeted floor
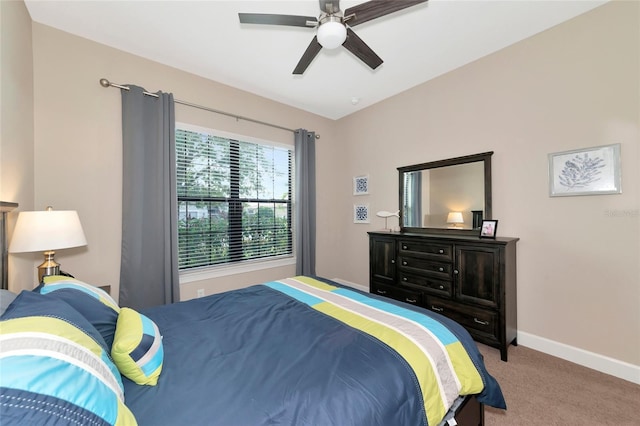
(544, 390)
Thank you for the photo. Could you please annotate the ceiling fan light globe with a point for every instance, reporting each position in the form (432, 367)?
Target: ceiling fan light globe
(332, 34)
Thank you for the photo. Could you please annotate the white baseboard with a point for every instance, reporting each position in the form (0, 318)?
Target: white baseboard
(604, 364)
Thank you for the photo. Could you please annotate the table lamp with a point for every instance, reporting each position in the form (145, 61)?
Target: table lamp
(455, 218)
(47, 231)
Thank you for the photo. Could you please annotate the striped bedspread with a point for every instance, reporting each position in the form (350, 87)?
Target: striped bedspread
(442, 367)
(307, 351)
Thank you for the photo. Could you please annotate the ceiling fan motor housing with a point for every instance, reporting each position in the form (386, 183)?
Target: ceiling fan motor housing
(332, 32)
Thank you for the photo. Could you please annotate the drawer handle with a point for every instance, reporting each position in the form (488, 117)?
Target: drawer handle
(477, 321)
(404, 247)
(441, 251)
(455, 271)
(441, 269)
(441, 287)
(404, 262)
(381, 291)
(404, 278)
(411, 300)
(393, 261)
(435, 308)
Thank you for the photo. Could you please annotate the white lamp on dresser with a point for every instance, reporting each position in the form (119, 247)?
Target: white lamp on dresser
(455, 219)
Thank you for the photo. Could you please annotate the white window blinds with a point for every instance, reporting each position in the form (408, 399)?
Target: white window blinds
(234, 199)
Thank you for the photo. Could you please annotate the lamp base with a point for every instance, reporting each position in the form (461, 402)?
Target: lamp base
(49, 266)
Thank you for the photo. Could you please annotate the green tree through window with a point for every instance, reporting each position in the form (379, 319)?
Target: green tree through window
(234, 199)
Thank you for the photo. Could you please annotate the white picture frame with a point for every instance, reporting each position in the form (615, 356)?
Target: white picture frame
(361, 185)
(587, 171)
(361, 213)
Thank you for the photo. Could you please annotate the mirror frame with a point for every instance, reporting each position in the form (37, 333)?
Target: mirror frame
(485, 157)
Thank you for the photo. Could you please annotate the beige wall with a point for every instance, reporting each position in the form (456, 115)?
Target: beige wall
(16, 124)
(573, 86)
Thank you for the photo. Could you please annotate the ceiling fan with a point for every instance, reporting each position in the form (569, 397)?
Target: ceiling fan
(334, 27)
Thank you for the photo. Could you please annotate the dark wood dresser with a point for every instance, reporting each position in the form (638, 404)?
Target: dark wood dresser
(466, 278)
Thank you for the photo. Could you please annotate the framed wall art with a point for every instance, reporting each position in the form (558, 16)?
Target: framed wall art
(360, 185)
(588, 171)
(361, 213)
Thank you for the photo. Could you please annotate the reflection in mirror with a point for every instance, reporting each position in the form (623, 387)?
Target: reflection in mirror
(430, 195)
(433, 194)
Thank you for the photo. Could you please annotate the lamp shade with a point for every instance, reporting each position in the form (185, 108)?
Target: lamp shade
(332, 34)
(47, 230)
(455, 217)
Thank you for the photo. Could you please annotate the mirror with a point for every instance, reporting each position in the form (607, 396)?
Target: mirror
(446, 196)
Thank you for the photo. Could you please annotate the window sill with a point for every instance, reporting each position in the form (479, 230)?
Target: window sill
(222, 271)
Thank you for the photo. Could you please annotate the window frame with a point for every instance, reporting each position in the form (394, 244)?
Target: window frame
(249, 265)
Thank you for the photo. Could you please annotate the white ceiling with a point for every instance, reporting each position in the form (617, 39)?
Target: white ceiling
(205, 38)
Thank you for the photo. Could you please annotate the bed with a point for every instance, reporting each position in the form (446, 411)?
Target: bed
(297, 351)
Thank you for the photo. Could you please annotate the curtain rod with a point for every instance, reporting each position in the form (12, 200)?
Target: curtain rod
(106, 83)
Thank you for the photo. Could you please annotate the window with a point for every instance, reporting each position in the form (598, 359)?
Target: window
(234, 199)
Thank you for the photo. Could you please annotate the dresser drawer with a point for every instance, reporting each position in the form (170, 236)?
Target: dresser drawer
(479, 322)
(433, 250)
(431, 268)
(431, 285)
(403, 295)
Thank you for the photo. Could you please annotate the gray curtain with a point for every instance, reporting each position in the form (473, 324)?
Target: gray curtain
(413, 199)
(149, 264)
(305, 202)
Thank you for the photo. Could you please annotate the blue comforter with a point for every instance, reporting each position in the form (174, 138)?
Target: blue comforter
(260, 356)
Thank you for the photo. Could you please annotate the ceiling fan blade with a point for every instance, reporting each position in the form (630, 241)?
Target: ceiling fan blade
(376, 8)
(270, 19)
(330, 6)
(307, 57)
(355, 45)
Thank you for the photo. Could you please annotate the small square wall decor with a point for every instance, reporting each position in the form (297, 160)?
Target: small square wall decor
(360, 185)
(360, 213)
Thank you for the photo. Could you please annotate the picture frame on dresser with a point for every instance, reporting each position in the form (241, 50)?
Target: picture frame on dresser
(489, 228)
